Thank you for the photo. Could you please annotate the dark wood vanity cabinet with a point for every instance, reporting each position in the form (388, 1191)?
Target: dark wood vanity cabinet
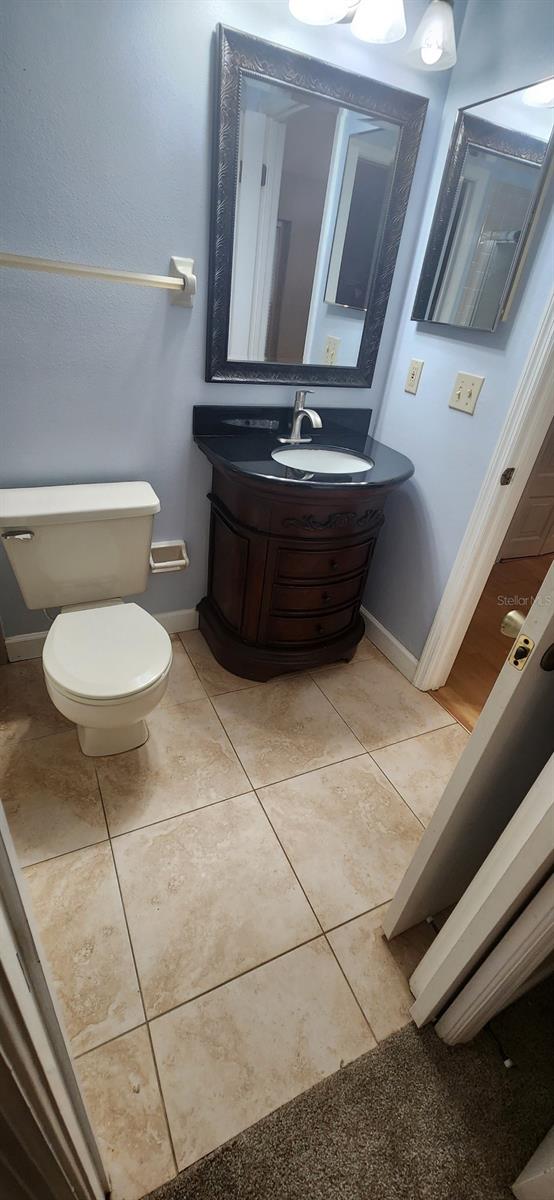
(287, 571)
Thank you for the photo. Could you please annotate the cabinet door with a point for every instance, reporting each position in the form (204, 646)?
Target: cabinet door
(228, 570)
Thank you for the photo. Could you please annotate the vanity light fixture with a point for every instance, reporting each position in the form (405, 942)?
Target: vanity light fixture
(433, 46)
(376, 21)
(379, 21)
(541, 95)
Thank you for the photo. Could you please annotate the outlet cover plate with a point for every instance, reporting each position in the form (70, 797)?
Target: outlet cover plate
(465, 392)
(414, 375)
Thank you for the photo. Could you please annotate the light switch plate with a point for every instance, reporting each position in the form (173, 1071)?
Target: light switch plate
(414, 375)
(465, 392)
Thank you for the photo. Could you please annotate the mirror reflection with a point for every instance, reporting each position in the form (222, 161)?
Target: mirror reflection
(503, 144)
(313, 189)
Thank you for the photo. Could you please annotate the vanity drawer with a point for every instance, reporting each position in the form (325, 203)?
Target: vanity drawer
(288, 598)
(309, 629)
(321, 564)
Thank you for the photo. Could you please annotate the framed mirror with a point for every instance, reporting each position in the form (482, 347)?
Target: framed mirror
(312, 171)
(498, 161)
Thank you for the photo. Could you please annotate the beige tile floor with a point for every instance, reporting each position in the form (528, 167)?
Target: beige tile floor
(211, 904)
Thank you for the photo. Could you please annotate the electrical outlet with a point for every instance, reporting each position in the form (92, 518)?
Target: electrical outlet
(414, 375)
(331, 350)
(465, 392)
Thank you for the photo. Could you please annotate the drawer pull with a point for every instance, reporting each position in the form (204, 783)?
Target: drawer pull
(319, 627)
(325, 597)
(333, 564)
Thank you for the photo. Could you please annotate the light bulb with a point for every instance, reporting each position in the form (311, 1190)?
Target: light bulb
(433, 47)
(431, 51)
(379, 21)
(319, 12)
(541, 95)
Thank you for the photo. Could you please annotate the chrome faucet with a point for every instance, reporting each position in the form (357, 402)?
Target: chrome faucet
(299, 412)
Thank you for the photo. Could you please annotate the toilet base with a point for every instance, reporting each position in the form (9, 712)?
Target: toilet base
(95, 742)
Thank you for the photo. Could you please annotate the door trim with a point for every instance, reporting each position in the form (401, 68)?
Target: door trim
(513, 962)
(39, 1077)
(519, 444)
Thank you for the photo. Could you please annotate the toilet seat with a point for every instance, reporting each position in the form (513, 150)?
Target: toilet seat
(101, 655)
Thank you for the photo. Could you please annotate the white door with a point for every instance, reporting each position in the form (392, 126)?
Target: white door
(532, 529)
(49, 1150)
(510, 745)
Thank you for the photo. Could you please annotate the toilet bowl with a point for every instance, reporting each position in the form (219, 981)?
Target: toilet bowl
(106, 667)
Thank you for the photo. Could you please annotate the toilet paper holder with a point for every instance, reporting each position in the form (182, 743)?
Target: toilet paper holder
(168, 556)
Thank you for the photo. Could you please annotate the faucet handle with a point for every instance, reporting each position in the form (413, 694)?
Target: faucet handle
(300, 396)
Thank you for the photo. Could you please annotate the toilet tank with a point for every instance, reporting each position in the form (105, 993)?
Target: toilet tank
(80, 542)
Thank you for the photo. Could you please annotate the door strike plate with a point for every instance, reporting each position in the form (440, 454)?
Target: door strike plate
(520, 652)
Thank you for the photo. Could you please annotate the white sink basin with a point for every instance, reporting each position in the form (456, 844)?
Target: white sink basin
(321, 461)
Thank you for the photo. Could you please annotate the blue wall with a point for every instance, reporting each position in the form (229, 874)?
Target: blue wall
(504, 44)
(105, 147)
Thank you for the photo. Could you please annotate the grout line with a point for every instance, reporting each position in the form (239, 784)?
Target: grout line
(187, 812)
(386, 745)
(316, 937)
(357, 916)
(63, 853)
(295, 873)
(139, 985)
(108, 1042)
(398, 793)
(345, 976)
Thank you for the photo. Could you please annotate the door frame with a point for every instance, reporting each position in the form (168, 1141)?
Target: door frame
(518, 447)
(40, 1098)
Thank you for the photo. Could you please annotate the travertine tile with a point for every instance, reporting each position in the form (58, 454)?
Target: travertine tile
(421, 767)
(378, 970)
(379, 704)
(51, 797)
(213, 676)
(207, 895)
(280, 729)
(183, 683)
(347, 833)
(78, 910)
(123, 1098)
(228, 1058)
(365, 649)
(26, 710)
(186, 763)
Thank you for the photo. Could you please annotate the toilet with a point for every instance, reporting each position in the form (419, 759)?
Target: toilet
(82, 548)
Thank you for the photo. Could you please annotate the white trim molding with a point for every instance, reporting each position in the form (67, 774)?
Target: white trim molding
(525, 429)
(512, 962)
(386, 642)
(29, 645)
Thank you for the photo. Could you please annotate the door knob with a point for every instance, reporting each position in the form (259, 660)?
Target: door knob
(511, 624)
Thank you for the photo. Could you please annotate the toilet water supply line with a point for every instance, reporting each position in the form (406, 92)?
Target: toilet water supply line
(181, 281)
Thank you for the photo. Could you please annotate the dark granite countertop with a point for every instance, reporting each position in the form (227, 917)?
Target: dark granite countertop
(241, 438)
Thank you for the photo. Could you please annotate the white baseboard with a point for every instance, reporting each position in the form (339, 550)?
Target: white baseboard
(29, 645)
(386, 642)
(179, 621)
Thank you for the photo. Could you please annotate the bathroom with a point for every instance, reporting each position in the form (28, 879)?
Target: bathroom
(209, 894)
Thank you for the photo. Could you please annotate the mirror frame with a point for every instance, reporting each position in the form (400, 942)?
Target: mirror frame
(470, 130)
(240, 53)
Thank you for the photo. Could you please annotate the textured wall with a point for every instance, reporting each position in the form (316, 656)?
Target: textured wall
(105, 147)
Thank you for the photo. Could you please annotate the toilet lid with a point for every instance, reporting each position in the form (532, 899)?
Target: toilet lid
(107, 652)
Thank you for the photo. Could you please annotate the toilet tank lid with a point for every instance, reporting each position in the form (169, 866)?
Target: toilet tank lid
(22, 507)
